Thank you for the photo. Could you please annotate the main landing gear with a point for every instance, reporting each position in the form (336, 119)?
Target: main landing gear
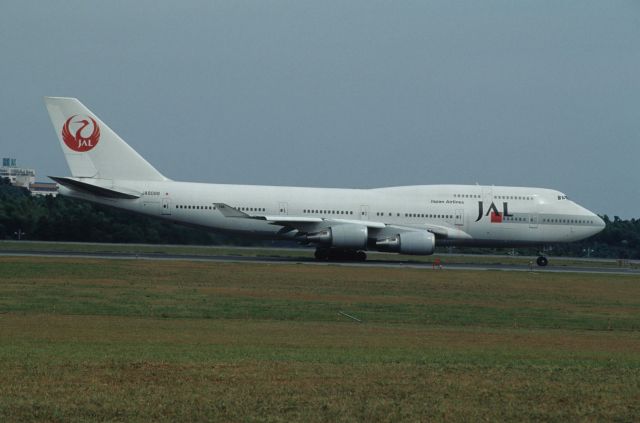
(542, 261)
(336, 254)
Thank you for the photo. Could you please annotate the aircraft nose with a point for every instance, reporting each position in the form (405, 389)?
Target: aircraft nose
(598, 224)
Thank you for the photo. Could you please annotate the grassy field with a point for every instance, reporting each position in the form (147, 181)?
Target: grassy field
(113, 340)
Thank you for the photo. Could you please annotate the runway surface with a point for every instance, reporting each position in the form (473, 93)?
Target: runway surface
(310, 261)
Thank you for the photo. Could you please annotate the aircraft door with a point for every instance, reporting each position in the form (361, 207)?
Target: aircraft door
(283, 208)
(533, 220)
(459, 217)
(166, 207)
(534, 217)
(364, 212)
(487, 229)
(487, 194)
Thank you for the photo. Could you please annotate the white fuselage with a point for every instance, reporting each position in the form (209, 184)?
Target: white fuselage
(461, 214)
(340, 222)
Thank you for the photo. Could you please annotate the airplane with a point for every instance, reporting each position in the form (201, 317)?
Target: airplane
(341, 223)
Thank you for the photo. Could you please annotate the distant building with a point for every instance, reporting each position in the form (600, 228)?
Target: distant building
(26, 178)
(19, 177)
(8, 162)
(43, 188)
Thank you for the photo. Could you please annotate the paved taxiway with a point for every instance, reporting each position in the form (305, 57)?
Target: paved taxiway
(310, 261)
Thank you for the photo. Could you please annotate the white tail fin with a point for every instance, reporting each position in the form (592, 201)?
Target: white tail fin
(91, 148)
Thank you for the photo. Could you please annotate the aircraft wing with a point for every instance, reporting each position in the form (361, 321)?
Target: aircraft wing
(301, 223)
(292, 221)
(306, 224)
(228, 211)
(440, 231)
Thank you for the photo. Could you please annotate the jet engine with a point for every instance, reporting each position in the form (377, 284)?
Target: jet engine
(342, 236)
(415, 242)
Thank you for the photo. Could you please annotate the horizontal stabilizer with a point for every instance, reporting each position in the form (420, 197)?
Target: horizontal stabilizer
(99, 191)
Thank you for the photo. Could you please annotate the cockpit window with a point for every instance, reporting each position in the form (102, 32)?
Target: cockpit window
(562, 197)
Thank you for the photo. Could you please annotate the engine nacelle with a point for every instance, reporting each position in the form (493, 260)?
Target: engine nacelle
(415, 242)
(352, 237)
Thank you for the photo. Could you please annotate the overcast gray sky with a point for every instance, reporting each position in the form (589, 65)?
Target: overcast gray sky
(340, 93)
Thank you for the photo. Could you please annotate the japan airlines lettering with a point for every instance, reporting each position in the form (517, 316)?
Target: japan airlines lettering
(496, 215)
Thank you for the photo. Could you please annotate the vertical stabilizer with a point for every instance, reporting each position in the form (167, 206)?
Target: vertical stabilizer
(91, 148)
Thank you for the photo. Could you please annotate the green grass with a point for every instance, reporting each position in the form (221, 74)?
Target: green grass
(111, 340)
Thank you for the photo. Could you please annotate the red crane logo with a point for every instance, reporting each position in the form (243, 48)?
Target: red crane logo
(79, 142)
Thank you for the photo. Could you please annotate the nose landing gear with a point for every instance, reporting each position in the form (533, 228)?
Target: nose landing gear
(542, 261)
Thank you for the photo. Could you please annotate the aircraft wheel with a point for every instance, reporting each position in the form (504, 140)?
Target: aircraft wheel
(335, 255)
(542, 261)
(321, 254)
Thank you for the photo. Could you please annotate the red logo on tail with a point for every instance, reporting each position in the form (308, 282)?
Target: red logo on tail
(79, 142)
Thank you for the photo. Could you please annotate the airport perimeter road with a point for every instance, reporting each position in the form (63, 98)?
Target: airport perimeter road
(310, 261)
